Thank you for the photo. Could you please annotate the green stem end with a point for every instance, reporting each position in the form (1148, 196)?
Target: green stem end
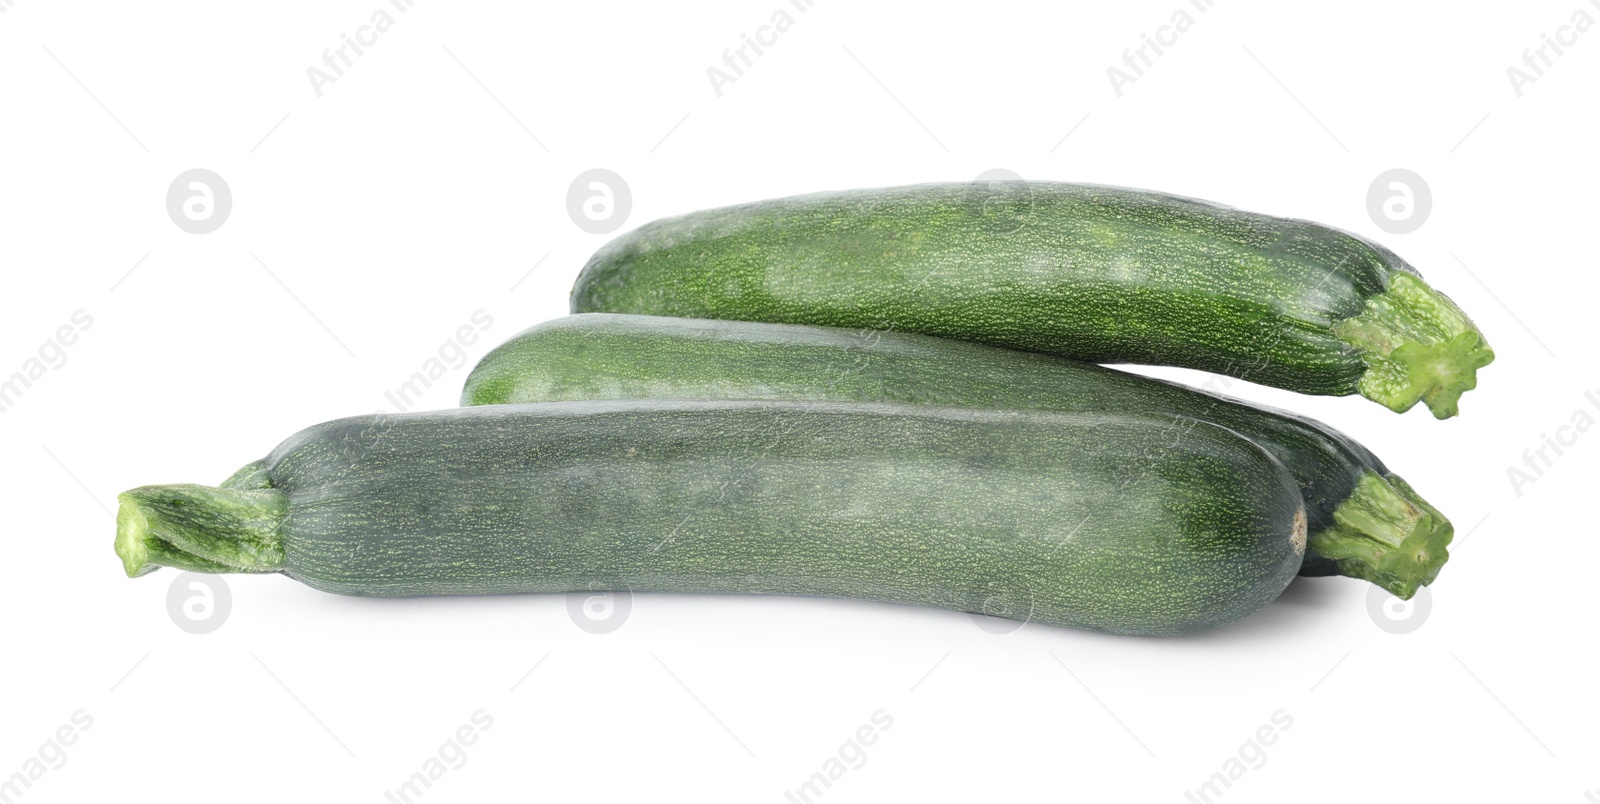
(200, 529)
(1418, 346)
(1386, 534)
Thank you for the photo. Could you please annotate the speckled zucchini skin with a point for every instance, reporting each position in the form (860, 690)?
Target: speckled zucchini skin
(606, 356)
(1102, 274)
(1120, 523)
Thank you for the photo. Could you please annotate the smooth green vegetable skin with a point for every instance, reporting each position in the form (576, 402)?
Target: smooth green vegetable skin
(1102, 274)
(605, 356)
(1120, 523)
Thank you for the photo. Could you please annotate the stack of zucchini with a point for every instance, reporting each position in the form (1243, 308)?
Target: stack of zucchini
(878, 394)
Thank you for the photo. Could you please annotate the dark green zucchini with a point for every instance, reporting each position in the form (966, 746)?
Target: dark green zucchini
(1101, 274)
(1123, 523)
(1365, 522)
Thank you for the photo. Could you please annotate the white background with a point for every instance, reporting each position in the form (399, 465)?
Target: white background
(368, 224)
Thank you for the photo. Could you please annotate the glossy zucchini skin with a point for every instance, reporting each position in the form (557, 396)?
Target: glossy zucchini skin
(1101, 274)
(606, 356)
(1120, 523)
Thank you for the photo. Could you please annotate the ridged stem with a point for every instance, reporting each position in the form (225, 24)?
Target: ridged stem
(1418, 345)
(200, 529)
(1386, 534)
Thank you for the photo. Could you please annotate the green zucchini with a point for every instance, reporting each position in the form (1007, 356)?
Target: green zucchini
(1364, 521)
(1102, 274)
(1124, 523)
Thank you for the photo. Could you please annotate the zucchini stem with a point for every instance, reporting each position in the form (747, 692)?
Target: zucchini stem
(200, 529)
(1387, 534)
(1418, 345)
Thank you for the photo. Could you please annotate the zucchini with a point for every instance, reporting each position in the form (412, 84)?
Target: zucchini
(1123, 523)
(1102, 274)
(1364, 521)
